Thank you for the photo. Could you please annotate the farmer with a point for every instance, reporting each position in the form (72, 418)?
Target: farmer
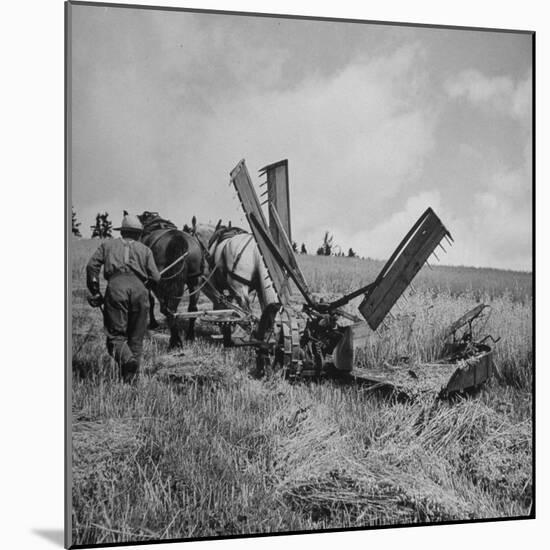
(128, 265)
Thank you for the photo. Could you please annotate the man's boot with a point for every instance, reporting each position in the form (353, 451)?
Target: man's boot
(129, 371)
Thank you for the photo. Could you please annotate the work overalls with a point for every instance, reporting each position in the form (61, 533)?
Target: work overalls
(126, 313)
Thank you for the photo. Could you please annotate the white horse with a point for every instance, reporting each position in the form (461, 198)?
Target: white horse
(234, 265)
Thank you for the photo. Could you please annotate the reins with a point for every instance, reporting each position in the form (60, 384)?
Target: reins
(180, 259)
(205, 282)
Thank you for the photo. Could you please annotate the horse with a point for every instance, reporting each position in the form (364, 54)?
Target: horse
(181, 255)
(234, 264)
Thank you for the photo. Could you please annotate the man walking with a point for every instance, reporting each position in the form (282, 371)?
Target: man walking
(127, 266)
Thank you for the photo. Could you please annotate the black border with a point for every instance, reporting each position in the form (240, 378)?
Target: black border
(67, 236)
(67, 496)
(308, 532)
(533, 270)
(289, 16)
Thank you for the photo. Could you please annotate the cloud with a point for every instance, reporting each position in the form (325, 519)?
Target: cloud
(355, 140)
(380, 241)
(164, 107)
(495, 232)
(497, 229)
(501, 94)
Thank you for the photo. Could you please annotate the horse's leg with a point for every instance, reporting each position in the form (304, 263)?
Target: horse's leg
(219, 302)
(152, 321)
(193, 300)
(169, 307)
(211, 295)
(213, 290)
(175, 335)
(240, 293)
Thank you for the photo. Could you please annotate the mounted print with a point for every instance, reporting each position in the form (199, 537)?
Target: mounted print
(300, 274)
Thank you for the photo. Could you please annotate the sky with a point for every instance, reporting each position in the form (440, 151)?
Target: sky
(377, 122)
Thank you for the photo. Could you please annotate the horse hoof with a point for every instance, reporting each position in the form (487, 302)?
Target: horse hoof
(175, 344)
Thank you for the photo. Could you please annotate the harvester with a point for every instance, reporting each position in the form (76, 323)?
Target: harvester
(317, 339)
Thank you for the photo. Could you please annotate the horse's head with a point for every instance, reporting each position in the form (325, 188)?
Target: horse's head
(203, 231)
(191, 230)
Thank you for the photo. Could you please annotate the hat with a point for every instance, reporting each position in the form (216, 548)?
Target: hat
(130, 223)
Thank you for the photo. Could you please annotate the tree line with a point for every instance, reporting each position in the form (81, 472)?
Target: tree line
(327, 248)
(103, 229)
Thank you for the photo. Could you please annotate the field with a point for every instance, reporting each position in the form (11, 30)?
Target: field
(223, 453)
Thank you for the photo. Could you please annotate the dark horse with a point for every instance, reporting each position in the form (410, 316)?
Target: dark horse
(182, 255)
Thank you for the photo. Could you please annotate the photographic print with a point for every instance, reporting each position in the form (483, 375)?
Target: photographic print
(300, 280)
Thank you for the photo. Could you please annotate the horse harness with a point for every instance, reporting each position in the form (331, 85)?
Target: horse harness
(224, 234)
(232, 272)
(216, 239)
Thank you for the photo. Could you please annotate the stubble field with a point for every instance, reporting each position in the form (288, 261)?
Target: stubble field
(223, 453)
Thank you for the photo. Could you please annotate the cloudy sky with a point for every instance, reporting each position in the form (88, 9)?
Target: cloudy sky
(377, 122)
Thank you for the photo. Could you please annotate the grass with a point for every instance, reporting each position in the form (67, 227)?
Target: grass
(214, 451)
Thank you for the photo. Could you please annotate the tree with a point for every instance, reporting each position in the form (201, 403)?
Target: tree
(96, 229)
(326, 248)
(303, 249)
(295, 246)
(76, 225)
(103, 228)
(351, 253)
(106, 226)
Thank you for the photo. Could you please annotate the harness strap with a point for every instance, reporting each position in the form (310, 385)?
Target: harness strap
(232, 273)
(205, 252)
(240, 279)
(228, 303)
(204, 283)
(168, 267)
(239, 255)
(162, 233)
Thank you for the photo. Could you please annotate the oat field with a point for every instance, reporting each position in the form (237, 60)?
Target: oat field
(223, 453)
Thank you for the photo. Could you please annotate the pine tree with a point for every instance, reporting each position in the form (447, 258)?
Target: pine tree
(75, 224)
(303, 249)
(351, 253)
(96, 229)
(106, 227)
(103, 227)
(295, 246)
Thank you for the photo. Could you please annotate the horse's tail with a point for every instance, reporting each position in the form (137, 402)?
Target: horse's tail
(166, 245)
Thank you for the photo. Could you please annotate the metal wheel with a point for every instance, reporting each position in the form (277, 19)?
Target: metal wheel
(279, 334)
